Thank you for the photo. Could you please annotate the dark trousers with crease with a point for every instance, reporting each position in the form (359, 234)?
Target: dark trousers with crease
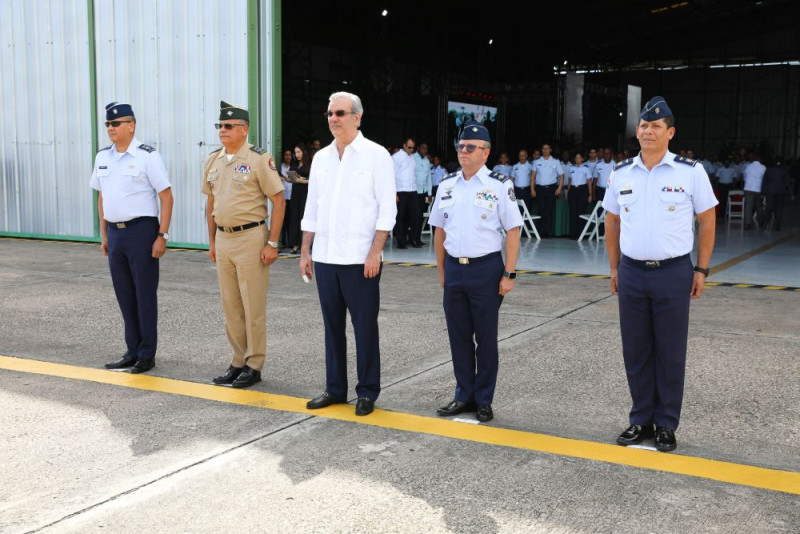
(134, 273)
(409, 220)
(472, 309)
(654, 321)
(546, 204)
(342, 288)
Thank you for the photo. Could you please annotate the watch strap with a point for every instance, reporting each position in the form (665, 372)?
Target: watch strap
(509, 275)
(706, 272)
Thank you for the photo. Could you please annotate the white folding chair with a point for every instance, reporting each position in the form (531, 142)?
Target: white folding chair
(592, 226)
(739, 204)
(426, 228)
(528, 226)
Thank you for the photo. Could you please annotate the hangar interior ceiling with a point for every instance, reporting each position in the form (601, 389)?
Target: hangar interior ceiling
(404, 63)
(529, 38)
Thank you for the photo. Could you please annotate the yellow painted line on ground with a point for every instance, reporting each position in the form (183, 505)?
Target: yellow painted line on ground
(732, 473)
(747, 255)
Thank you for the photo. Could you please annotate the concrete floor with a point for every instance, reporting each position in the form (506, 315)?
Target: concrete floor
(78, 456)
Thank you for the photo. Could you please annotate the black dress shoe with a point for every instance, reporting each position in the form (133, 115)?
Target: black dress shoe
(665, 439)
(230, 375)
(635, 434)
(142, 366)
(364, 406)
(456, 407)
(247, 378)
(326, 399)
(417, 245)
(402, 246)
(485, 413)
(123, 363)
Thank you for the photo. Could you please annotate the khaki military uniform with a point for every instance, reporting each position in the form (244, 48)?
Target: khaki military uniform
(240, 188)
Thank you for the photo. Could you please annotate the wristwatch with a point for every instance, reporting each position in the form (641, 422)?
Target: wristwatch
(165, 235)
(273, 244)
(509, 275)
(706, 272)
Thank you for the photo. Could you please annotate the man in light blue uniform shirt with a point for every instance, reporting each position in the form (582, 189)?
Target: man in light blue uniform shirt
(548, 175)
(579, 182)
(437, 173)
(503, 166)
(650, 203)
(422, 174)
(521, 175)
(130, 180)
(472, 209)
(602, 170)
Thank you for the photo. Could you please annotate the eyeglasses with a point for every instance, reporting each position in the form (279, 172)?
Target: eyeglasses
(115, 124)
(227, 125)
(339, 113)
(469, 148)
(411, 147)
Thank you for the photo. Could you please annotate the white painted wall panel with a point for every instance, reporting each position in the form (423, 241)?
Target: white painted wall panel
(45, 119)
(173, 61)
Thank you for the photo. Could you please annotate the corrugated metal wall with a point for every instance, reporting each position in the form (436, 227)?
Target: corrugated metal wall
(45, 124)
(173, 61)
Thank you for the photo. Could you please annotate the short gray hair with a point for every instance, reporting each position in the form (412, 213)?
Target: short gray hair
(358, 109)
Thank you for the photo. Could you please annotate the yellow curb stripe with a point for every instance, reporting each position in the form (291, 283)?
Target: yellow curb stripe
(732, 473)
(747, 255)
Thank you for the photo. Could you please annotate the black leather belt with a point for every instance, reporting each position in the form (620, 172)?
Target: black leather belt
(124, 224)
(232, 229)
(468, 261)
(654, 264)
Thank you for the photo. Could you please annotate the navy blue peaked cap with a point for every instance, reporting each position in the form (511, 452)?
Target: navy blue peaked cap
(655, 109)
(475, 130)
(115, 110)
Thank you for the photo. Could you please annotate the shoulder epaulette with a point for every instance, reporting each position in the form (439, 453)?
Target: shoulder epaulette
(498, 176)
(623, 163)
(687, 161)
(258, 150)
(147, 148)
(215, 151)
(451, 175)
(106, 147)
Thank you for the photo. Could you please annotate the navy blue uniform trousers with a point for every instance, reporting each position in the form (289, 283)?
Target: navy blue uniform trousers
(472, 310)
(134, 273)
(342, 288)
(654, 320)
(546, 204)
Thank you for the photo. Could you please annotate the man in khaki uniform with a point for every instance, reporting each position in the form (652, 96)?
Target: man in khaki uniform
(238, 179)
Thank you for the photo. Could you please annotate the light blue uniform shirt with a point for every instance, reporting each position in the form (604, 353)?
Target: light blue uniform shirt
(656, 208)
(579, 176)
(521, 173)
(726, 174)
(592, 164)
(437, 173)
(130, 181)
(547, 170)
(602, 171)
(422, 174)
(474, 213)
(503, 169)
